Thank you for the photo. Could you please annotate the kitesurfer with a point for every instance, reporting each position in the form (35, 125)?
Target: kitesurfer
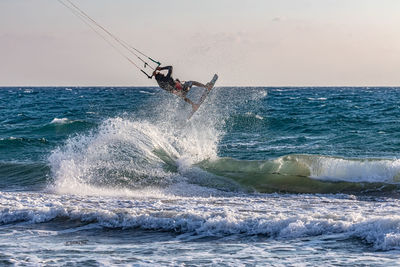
(175, 86)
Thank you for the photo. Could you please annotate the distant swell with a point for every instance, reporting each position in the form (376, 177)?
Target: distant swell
(19, 175)
(12, 142)
(66, 126)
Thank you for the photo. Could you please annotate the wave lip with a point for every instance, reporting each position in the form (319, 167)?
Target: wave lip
(355, 170)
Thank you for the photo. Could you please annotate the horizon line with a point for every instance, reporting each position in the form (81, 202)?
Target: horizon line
(222, 86)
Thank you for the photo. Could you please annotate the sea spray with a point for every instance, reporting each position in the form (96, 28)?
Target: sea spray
(124, 153)
(131, 152)
(118, 154)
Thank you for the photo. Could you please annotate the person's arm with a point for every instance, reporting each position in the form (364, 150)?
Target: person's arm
(169, 68)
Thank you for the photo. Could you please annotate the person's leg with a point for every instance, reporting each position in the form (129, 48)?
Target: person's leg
(208, 86)
(183, 95)
(198, 84)
(194, 106)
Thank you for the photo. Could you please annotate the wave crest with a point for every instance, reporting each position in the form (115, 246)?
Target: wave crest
(124, 153)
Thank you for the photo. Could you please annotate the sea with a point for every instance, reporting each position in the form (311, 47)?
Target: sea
(259, 176)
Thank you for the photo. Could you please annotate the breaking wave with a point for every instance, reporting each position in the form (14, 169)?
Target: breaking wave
(310, 174)
(130, 152)
(198, 217)
(125, 153)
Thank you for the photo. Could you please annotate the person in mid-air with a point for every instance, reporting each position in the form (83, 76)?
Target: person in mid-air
(175, 86)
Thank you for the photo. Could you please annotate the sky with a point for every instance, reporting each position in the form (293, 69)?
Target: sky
(248, 43)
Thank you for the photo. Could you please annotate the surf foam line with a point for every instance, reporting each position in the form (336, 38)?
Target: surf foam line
(197, 217)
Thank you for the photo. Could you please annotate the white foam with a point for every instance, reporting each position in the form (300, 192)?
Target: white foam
(317, 98)
(255, 115)
(60, 121)
(145, 92)
(382, 232)
(351, 170)
(277, 216)
(258, 95)
(124, 152)
(259, 117)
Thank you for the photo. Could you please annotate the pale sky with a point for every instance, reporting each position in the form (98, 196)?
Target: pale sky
(248, 42)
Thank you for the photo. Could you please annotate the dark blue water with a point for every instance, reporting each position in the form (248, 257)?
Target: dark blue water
(123, 170)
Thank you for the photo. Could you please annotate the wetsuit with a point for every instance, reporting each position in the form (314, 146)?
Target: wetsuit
(166, 82)
(169, 84)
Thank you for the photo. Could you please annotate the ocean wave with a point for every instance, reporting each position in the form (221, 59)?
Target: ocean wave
(128, 153)
(124, 153)
(14, 175)
(64, 126)
(267, 215)
(66, 121)
(355, 170)
(12, 141)
(162, 148)
(310, 174)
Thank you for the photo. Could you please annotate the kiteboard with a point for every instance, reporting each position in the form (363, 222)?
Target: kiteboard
(210, 86)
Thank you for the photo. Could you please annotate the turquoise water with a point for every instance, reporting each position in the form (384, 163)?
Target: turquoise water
(100, 176)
